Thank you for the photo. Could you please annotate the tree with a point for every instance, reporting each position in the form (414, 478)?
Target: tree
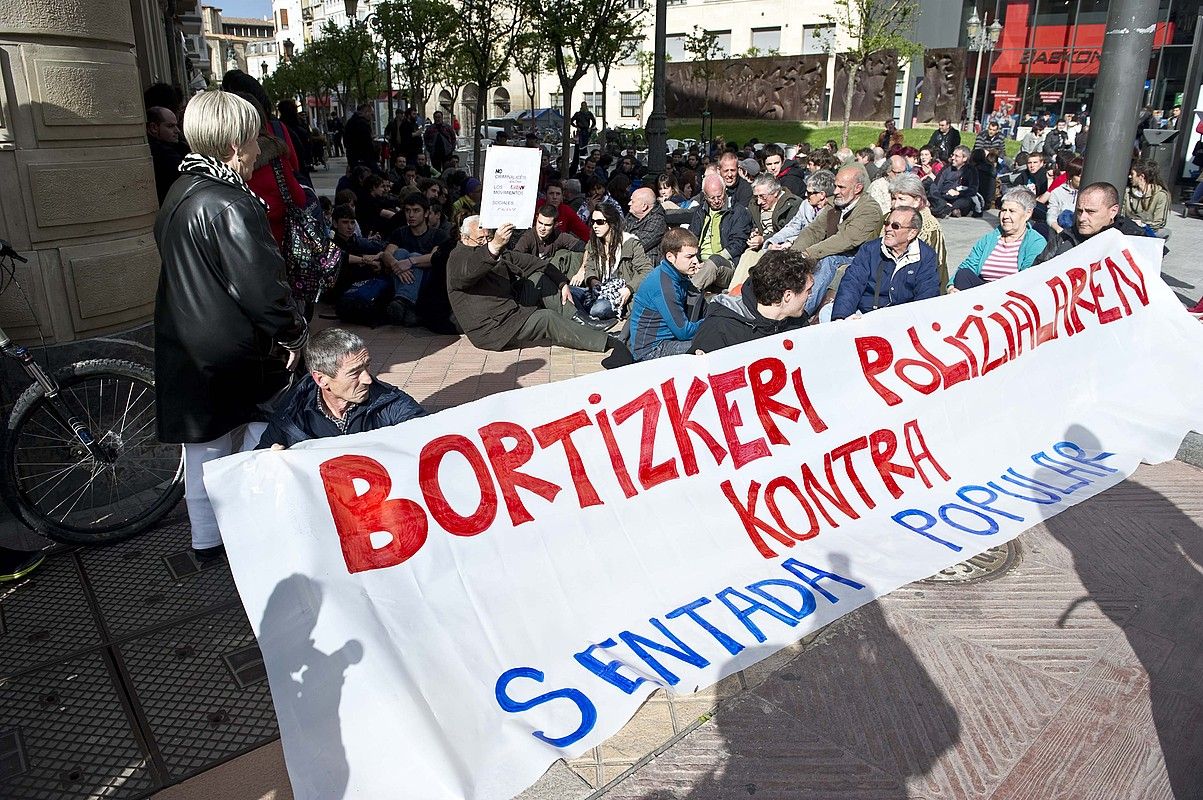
(703, 46)
(485, 40)
(348, 60)
(615, 51)
(874, 26)
(420, 34)
(575, 30)
(647, 75)
(530, 59)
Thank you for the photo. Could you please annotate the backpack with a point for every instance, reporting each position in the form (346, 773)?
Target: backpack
(365, 302)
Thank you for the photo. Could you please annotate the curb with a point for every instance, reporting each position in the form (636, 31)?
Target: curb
(1191, 451)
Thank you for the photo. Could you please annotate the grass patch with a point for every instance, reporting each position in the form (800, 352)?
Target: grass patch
(770, 130)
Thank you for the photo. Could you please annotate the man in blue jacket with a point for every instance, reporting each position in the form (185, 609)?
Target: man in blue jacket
(895, 269)
(338, 395)
(660, 324)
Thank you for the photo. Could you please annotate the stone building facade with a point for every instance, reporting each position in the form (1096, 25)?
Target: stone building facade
(77, 190)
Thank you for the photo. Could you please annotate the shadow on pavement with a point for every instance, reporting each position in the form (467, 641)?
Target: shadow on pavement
(315, 679)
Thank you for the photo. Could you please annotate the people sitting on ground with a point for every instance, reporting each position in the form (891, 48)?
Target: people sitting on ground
(774, 207)
(407, 257)
(890, 271)
(1012, 247)
(954, 192)
(992, 138)
(660, 323)
(1147, 201)
(543, 240)
(1097, 210)
(1061, 201)
(396, 173)
(772, 300)
(722, 228)
(646, 221)
(1036, 179)
(979, 161)
(338, 395)
(820, 188)
(1057, 141)
(506, 300)
(614, 266)
(377, 211)
(567, 220)
(469, 202)
(865, 158)
(906, 191)
(945, 139)
(879, 189)
(928, 167)
(1033, 142)
(361, 259)
(850, 220)
(788, 174)
(595, 193)
(738, 190)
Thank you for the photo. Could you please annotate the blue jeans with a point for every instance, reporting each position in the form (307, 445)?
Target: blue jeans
(668, 347)
(408, 291)
(601, 308)
(823, 276)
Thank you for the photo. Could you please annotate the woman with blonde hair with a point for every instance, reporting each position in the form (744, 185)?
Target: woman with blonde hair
(226, 330)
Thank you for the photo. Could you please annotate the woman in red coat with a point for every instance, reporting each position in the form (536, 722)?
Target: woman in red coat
(275, 143)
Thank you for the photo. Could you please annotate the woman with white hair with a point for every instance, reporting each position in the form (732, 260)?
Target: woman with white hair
(226, 329)
(1014, 246)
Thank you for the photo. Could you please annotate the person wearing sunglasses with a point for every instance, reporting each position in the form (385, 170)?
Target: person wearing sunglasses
(894, 269)
(820, 186)
(614, 265)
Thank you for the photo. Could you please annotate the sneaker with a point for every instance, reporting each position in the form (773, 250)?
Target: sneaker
(16, 564)
(620, 355)
(205, 555)
(401, 312)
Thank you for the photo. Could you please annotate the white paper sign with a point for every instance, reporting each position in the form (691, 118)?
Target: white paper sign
(447, 606)
(511, 186)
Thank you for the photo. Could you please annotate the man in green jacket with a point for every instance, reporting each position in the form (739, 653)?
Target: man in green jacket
(505, 300)
(831, 241)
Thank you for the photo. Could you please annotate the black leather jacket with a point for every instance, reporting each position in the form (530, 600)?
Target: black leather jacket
(221, 306)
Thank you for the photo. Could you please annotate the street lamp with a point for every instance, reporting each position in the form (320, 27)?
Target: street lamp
(378, 27)
(289, 47)
(981, 39)
(263, 68)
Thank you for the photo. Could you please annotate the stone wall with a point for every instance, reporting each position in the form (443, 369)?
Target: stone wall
(873, 96)
(77, 195)
(773, 87)
(944, 86)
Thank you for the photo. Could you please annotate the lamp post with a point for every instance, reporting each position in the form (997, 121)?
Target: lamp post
(289, 47)
(378, 26)
(980, 38)
(657, 121)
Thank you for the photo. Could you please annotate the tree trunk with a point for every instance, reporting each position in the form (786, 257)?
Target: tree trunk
(605, 79)
(853, 67)
(478, 111)
(566, 134)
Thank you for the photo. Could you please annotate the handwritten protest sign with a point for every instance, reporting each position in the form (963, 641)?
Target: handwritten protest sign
(449, 605)
(511, 186)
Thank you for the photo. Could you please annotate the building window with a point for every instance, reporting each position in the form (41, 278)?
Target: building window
(284, 19)
(630, 103)
(633, 4)
(766, 39)
(556, 100)
(817, 39)
(723, 43)
(594, 99)
(674, 47)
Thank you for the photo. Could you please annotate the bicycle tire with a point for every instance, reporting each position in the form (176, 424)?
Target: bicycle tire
(144, 477)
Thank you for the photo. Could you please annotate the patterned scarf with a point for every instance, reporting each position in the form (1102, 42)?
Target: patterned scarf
(196, 164)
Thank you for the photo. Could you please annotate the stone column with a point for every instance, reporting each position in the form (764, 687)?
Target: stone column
(77, 193)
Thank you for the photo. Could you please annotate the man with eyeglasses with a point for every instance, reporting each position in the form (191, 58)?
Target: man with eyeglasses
(879, 189)
(820, 186)
(773, 206)
(505, 300)
(722, 227)
(890, 271)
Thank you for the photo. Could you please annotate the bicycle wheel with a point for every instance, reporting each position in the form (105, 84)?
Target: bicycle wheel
(57, 487)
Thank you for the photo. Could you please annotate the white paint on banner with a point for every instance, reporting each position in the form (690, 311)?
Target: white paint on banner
(452, 604)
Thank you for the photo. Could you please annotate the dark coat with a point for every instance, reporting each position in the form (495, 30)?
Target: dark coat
(734, 320)
(221, 306)
(358, 141)
(649, 231)
(942, 144)
(793, 177)
(298, 417)
(785, 210)
(873, 280)
(480, 288)
(529, 243)
(1069, 238)
(734, 227)
(166, 159)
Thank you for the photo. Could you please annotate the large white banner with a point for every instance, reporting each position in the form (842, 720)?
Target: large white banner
(447, 606)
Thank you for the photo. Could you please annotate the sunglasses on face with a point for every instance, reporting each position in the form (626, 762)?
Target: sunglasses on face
(597, 221)
(898, 226)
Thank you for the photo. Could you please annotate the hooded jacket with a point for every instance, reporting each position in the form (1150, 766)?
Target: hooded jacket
(734, 319)
(633, 264)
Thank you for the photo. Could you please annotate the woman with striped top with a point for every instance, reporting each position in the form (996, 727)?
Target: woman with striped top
(1012, 247)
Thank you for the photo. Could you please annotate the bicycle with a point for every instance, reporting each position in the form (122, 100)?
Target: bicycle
(81, 461)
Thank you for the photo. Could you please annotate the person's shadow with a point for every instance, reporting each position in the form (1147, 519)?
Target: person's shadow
(478, 386)
(1140, 559)
(307, 682)
(855, 715)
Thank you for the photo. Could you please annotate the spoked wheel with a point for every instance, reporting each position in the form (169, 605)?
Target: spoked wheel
(59, 487)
